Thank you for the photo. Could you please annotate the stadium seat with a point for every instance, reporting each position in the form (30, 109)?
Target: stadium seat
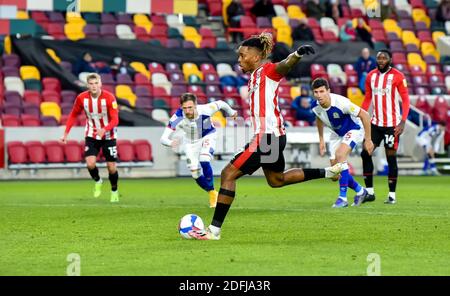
(108, 31)
(415, 59)
(423, 105)
(51, 83)
(51, 109)
(140, 68)
(355, 95)
(142, 34)
(439, 110)
(143, 21)
(49, 121)
(29, 72)
(30, 120)
(160, 115)
(191, 34)
(35, 152)
(56, 30)
(125, 151)
(318, 70)
(17, 153)
(141, 79)
(124, 32)
(10, 120)
(51, 96)
(191, 69)
(73, 152)
(436, 35)
(74, 31)
(143, 150)
(125, 92)
(54, 152)
(409, 37)
(31, 109)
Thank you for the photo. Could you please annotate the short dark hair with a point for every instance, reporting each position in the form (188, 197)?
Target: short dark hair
(386, 51)
(188, 97)
(318, 82)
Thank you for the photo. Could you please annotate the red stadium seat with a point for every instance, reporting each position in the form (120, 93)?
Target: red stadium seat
(143, 150)
(32, 96)
(156, 68)
(440, 107)
(141, 33)
(125, 150)
(141, 79)
(423, 105)
(10, 120)
(50, 83)
(73, 152)
(51, 96)
(35, 151)
(30, 120)
(318, 70)
(349, 69)
(54, 152)
(17, 153)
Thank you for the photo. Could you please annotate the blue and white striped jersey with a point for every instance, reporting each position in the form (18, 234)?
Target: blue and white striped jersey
(341, 116)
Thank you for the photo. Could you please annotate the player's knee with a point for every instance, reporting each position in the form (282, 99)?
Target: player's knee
(227, 175)
(90, 164)
(195, 174)
(112, 169)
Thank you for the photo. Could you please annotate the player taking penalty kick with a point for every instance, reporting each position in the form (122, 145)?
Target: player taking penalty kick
(102, 118)
(265, 150)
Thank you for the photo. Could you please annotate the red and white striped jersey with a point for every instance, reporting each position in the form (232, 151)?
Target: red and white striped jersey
(385, 91)
(265, 113)
(101, 112)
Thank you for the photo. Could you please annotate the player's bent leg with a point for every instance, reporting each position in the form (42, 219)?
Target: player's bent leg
(114, 180)
(93, 171)
(205, 162)
(297, 175)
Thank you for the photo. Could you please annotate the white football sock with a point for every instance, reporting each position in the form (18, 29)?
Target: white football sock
(392, 195)
(370, 190)
(214, 229)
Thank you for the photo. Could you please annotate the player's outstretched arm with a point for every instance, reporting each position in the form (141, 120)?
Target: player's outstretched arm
(322, 147)
(288, 63)
(76, 110)
(227, 108)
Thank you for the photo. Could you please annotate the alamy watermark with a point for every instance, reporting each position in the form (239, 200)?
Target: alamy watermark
(74, 267)
(73, 6)
(374, 267)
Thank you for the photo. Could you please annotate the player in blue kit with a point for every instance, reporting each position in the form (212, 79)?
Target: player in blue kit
(200, 136)
(429, 138)
(349, 125)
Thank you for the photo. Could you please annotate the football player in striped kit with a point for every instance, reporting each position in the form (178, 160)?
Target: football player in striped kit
(266, 148)
(102, 118)
(385, 87)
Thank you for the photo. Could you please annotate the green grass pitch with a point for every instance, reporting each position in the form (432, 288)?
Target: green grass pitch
(286, 231)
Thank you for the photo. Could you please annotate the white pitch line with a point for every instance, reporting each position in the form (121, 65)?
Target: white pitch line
(319, 210)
